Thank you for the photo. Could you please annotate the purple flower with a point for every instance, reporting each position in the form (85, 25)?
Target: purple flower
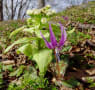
(53, 44)
(65, 18)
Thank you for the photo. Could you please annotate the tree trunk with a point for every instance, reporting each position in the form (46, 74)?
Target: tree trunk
(41, 3)
(12, 11)
(1, 10)
(85, 1)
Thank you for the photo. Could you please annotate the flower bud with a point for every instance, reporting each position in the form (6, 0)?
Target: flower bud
(44, 20)
(48, 6)
(53, 11)
(37, 11)
(29, 12)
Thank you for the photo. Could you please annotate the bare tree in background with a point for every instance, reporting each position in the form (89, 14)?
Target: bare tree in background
(1, 10)
(41, 3)
(85, 1)
(15, 9)
(12, 9)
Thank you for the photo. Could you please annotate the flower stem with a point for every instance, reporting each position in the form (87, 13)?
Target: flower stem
(57, 65)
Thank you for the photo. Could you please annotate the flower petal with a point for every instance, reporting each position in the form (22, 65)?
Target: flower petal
(52, 37)
(48, 44)
(63, 36)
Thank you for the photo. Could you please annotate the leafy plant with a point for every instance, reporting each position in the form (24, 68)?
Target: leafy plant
(29, 81)
(33, 45)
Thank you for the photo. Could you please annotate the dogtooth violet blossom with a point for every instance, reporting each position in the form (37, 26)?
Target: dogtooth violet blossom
(54, 44)
(65, 18)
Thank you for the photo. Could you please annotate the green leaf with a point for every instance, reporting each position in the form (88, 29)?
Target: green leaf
(43, 59)
(71, 83)
(18, 72)
(45, 33)
(71, 31)
(67, 84)
(17, 31)
(7, 67)
(29, 30)
(67, 48)
(26, 49)
(63, 64)
(92, 85)
(20, 41)
(1, 80)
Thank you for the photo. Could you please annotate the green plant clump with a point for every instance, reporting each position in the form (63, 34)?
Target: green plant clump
(33, 46)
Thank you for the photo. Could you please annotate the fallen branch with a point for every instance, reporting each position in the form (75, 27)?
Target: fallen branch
(90, 43)
(8, 62)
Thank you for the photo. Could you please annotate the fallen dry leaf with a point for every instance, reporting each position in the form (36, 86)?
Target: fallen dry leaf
(91, 71)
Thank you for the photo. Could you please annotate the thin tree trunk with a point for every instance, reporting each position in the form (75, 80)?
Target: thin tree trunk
(12, 9)
(20, 8)
(85, 1)
(1, 10)
(41, 3)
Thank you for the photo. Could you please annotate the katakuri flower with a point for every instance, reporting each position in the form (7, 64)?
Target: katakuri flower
(54, 44)
(65, 18)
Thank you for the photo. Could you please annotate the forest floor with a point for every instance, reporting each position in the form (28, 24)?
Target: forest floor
(80, 74)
